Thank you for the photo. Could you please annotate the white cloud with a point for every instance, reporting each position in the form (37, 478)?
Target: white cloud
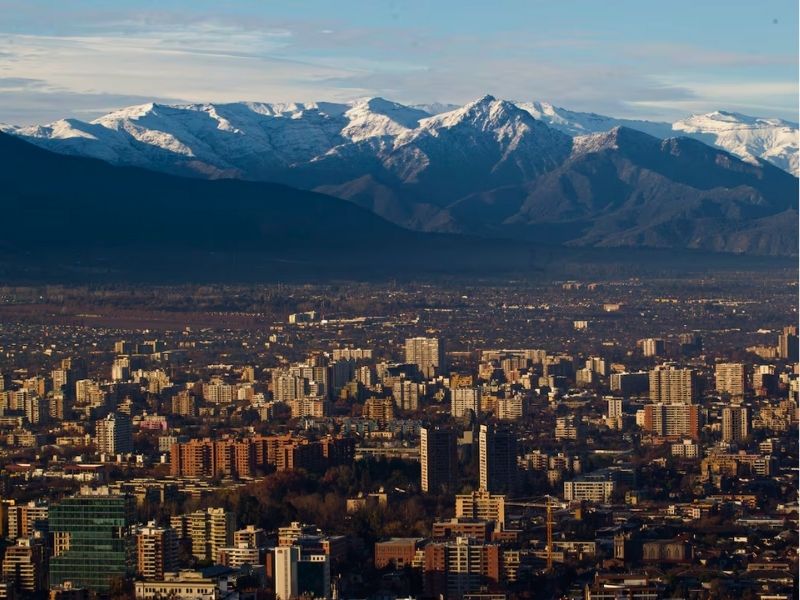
(117, 58)
(203, 64)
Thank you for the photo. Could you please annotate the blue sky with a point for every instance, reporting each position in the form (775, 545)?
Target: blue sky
(646, 59)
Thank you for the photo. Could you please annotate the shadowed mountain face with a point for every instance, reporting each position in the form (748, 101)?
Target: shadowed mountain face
(626, 188)
(78, 219)
(86, 217)
(490, 168)
(69, 202)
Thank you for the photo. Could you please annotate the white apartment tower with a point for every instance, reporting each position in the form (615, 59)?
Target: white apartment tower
(114, 435)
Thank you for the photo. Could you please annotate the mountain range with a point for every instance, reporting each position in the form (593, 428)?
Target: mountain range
(75, 219)
(491, 168)
(72, 217)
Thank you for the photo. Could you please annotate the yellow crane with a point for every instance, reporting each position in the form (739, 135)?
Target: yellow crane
(549, 504)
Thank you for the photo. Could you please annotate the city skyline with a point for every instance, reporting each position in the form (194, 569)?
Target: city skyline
(506, 310)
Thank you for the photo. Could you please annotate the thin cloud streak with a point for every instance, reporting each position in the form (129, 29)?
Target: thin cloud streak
(235, 58)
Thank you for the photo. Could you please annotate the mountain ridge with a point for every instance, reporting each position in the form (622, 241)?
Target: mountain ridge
(748, 137)
(94, 222)
(490, 156)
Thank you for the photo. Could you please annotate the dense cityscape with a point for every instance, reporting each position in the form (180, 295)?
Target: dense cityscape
(488, 440)
(399, 300)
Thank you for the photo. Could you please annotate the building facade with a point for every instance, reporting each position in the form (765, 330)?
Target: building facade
(93, 541)
(438, 459)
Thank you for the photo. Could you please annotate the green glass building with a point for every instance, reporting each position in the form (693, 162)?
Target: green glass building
(92, 540)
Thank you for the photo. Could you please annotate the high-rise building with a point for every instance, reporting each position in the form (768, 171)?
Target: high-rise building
(730, 379)
(209, 458)
(511, 408)
(301, 571)
(37, 409)
(310, 406)
(121, 369)
(455, 569)
(589, 487)
(114, 434)
(314, 574)
(89, 392)
(585, 377)
(672, 420)
(61, 380)
(208, 530)
(248, 374)
(24, 520)
(765, 380)
(92, 540)
(428, 354)
(788, 344)
(288, 386)
(598, 365)
(184, 404)
(59, 406)
(630, 384)
(352, 353)
(219, 392)
(37, 385)
(251, 536)
(286, 559)
(366, 376)
(156, 551)
(406, 394)
(340, 373)
(379, 409)
(498, 459)
(25, 564)
(438, 459)
(464, 400)
(735, 423)
(614, 419)
(483, 506)
(653, 347)
(123, 347)
(673, 386)
(238, 555)
(567, 428)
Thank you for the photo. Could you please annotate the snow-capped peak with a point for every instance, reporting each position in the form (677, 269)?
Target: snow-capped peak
(749, 138)
(256, 137)
(721, 120)
(486, 113)
(614, 139)
(377, 117)
(130, 112)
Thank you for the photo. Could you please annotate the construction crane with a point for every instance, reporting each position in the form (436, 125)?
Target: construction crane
(548, 504)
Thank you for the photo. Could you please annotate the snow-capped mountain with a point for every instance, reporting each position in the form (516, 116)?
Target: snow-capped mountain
(412, 177)
(253, 140)
(492, 133)
(581, 123)
(749, 138)
(247, 140)
(489, 167)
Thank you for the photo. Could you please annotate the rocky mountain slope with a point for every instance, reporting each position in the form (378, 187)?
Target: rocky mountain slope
(490, 167)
